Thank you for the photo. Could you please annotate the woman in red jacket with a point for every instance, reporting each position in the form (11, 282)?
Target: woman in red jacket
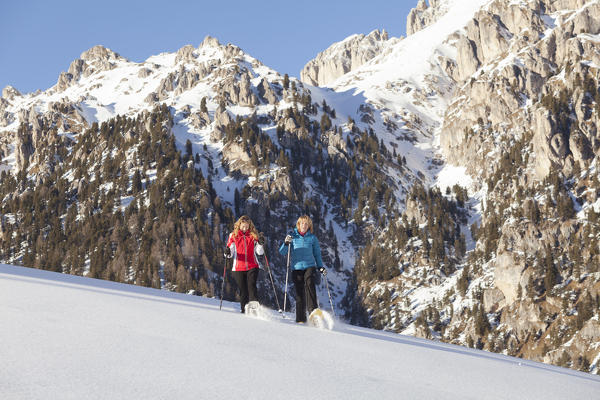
(244, 244)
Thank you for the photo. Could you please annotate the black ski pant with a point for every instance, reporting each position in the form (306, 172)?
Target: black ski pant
(246, 282)
(306, 292)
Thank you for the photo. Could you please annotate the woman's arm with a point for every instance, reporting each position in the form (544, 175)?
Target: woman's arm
(231, 247)
(317, 252)
(283, 249)
(259, 248)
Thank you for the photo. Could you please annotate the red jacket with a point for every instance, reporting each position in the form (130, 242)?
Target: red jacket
(244, 249)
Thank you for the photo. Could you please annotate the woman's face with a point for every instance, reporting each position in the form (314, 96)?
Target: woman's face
(303, 225)
(244, 226)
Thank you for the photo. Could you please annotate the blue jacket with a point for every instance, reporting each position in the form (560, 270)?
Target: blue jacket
(306, 251)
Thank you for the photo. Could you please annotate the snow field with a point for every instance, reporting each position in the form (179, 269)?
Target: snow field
(71, 337)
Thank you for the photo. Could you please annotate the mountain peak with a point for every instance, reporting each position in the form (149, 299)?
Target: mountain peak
(343, 57)
(424, 15)
(10, 92)
(97, 58)
(100, 52)
(210, 41)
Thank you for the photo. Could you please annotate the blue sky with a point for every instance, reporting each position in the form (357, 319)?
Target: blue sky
(39, 39)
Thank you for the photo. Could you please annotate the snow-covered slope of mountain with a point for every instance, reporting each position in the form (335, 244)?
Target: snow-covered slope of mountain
(78, 338)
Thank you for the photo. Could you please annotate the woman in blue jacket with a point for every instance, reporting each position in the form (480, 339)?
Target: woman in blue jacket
(305, 259)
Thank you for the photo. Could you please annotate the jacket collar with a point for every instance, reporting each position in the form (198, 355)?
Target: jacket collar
(306, 234)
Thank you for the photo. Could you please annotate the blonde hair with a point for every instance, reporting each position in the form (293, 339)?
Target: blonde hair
(251, 227)
(307, 219)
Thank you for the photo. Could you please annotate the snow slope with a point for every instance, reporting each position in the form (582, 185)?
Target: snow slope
(407, 83)
(70, 337)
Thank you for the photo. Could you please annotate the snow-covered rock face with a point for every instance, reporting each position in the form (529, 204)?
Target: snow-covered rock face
(343, 57)
(10, 92)
(94, 60)
(423, 15)
(510, 55)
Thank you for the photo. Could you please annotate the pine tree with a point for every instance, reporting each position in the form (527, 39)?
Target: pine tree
(136, 184)
(463, 282)
(550, 278)
(286, 81)
(482, 325)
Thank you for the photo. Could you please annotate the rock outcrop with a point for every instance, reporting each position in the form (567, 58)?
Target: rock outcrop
(343, 57)
(9, 93)
(96, 59)
(499, 92)
(423, 15)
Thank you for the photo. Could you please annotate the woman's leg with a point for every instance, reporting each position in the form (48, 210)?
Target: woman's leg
(311, 291)
(241, 279)
(298, 278)
(252, 278)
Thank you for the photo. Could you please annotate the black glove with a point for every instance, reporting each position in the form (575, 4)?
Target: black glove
(323, 271)
(288, 239)
(227, 252)
(261, 239)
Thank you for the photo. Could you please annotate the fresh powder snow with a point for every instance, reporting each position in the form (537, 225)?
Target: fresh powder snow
(70, 337)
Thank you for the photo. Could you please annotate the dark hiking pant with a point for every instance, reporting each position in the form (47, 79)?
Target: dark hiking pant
(306, 293)
(246, 282)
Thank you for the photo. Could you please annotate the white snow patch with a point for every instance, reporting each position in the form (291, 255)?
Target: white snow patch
(451, 175)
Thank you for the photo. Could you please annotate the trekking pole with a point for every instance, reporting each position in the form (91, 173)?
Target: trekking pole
(223, 284)
(329, 294)
(286, 277)
(272, 283)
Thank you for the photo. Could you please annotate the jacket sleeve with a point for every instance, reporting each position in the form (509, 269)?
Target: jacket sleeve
(283, 249)
(231, 245)
(258, 248)
(317, 252)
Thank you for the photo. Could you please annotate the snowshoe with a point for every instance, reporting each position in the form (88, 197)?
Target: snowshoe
(253, 309)
(320, 319)
(316, 318)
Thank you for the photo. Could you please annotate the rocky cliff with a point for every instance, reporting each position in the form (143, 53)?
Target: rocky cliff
(424, 15)
(522, 120)
(343, 57)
